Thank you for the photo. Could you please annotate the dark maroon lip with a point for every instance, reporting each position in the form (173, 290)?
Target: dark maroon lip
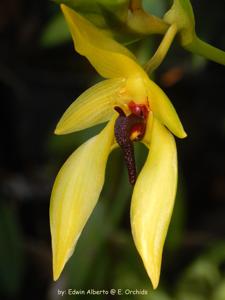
(124, 127)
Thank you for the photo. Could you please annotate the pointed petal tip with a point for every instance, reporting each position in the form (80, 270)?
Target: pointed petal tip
(182, 135)
(56, 276)
(94, 106)
(61, 255)
(57, 270)
(58, 130)
(59, 258)
(153, 271)
(154, 280)
(61, 129)
(153, 200)
(75, 195)
(56, 267)
(177, 130)
(155, 285)
(63, 6)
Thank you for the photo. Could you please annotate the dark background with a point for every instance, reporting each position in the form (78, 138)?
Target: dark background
(37, 83)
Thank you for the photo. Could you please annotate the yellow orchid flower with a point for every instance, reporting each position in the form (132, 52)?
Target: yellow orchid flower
(145, 114)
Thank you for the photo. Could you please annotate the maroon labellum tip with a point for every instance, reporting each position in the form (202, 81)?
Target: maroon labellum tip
(124, 127)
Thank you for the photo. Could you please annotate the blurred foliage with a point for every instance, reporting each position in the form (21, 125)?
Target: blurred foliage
(11, 252)
(56, 32)
(204, 278)
(36, 85)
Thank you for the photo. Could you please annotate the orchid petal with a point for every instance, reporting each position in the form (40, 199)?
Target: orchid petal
(163, 109)
(75, 194)
(93, 107)
(153, 200)
(108, 57)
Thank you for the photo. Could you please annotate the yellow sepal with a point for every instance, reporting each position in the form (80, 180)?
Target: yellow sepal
(93, 107)
(75, 194)
(108, 57)
(163, 109)
(153, 200)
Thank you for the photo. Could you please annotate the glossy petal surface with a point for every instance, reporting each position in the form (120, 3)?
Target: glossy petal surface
(163, 109)
(93, 107)
(75, 194)
(153, 200)
(108, 57)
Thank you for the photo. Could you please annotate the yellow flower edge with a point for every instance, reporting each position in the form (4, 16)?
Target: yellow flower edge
(153, 200)
(92, 107)
(75, 193)
(112, 60)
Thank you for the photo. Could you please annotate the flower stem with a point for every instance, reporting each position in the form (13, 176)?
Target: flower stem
(162, 50)
(197, 46)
